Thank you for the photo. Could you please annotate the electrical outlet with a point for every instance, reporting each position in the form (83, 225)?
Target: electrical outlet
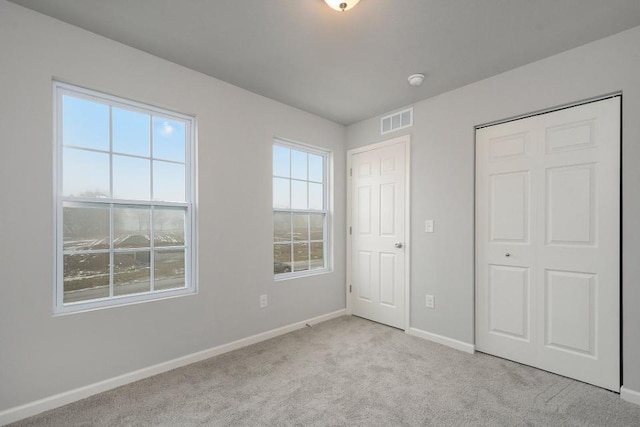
(263, 301)
(430, 301)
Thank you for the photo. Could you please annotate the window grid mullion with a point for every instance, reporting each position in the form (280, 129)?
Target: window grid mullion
(291, 237)
(307, 177)
(277, 242)
(110, 153)
(135, 156)
(151, 156)
(308, 233)
(308, 243)
(111, 253)
(278, 176)
(300, 211)
(124, 202)
(188, 273)
(85, 252)
(324, 240)
(152, 229)
(152, 253)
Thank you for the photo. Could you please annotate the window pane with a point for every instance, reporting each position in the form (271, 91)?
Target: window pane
(317, 255)
(281, 258)
(85, 227)
(124, 178)
(131, 132)
(298, 164)
(298, 195)
(85, 173)
(316, 170)
(131, 227)
(281, 199)
(168, 182)
(315, 196)
(168, 227)
(85, 123)
(300, 226)
(298, 186)
(300, 256)
(131, 178)
(317, 226)
(86, 277)
(281, 226)
(169, 139)
(281, 161)
(131, 273)
(169, 269)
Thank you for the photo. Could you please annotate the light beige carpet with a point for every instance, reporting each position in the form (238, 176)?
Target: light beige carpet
(349, 372)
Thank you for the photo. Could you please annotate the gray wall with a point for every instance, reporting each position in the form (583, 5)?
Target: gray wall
(442, 176)
(41, 355)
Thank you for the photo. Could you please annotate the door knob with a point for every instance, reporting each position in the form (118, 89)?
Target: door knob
(398, 245)
(507, 254)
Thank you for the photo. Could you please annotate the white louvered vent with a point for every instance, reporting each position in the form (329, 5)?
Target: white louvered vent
(396, 121)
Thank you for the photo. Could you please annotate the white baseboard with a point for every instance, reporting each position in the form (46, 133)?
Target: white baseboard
(630, 395)
(449, 342)
(33, 408)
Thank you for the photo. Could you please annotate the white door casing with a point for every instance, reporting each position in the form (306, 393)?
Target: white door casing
(378, 241)
(548, 241)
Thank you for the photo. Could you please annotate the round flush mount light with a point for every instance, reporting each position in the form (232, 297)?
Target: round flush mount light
(341, 5)
(416, 79)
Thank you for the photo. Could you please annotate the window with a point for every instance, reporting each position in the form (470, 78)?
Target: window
(124, 201)
(300, 211)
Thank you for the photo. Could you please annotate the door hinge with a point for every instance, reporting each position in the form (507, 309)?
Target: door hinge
(350, 171)
(350, 230)
(349, 288)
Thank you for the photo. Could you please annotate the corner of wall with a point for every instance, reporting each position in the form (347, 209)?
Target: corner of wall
(630, 395)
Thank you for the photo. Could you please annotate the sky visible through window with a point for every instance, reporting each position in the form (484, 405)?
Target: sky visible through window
(134, 136)
(298, 179)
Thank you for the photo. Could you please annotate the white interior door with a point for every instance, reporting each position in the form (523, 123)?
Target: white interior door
(378, 187)
(548, 241)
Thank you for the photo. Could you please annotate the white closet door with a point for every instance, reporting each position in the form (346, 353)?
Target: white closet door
(505, 255)
(548, 241)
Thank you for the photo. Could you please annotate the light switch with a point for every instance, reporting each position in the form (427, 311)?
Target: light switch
(428, 226)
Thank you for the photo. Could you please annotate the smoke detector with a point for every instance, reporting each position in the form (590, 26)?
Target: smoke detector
(416, 79)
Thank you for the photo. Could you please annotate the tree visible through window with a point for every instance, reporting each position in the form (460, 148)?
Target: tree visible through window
(299, 208)
(123, 200)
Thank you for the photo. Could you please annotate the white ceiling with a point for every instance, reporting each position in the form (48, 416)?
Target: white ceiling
(348, 66)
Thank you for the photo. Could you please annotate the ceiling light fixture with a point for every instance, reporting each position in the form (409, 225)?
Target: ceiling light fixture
(416, 79)
(341, 5)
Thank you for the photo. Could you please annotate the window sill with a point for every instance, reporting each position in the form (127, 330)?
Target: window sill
(300, 275)
(120, 302)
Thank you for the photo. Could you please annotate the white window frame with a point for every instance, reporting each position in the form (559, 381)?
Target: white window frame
(59, 307)
(327, 240)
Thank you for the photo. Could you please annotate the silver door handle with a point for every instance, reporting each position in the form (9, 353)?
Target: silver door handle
(398, 245)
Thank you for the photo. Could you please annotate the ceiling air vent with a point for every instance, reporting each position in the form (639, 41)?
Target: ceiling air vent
(393, 122)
